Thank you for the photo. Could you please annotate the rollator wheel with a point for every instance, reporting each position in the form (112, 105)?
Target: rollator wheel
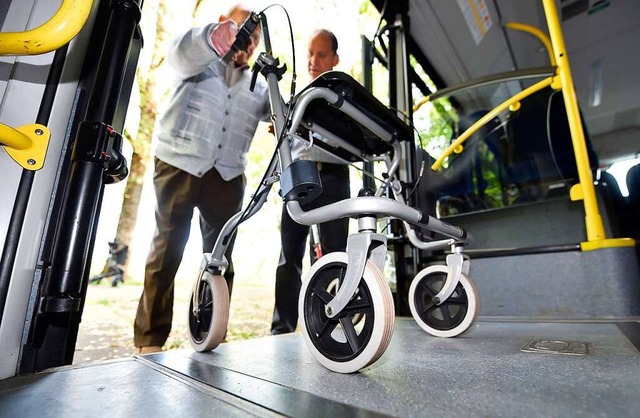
(452, 317)
(338, 343)
(207, 327)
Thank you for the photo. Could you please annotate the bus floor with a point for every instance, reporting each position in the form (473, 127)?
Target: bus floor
(498, 368)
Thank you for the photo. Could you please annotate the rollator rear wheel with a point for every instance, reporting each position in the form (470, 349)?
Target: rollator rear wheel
(208, 323)
(340, 344)
(452, 317)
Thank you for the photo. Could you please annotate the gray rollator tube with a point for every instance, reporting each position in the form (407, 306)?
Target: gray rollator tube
(217, 258)
(379, 206)
(324, 93)
(354, 207)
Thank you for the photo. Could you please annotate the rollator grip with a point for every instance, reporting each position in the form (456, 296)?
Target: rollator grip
(242, 37)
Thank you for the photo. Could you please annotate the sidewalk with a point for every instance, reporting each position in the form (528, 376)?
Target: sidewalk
(106, 331)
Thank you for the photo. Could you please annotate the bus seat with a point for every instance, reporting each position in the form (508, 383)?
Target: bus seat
(607, 180)
(462, 189)
(632, 219)
(611, 203)
(540, 150)
(633, 184)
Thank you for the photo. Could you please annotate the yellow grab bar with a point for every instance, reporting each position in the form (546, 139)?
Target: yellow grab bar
(425, 99)
(538, 34)
(53, 34)
(13, 138)
(489, 116)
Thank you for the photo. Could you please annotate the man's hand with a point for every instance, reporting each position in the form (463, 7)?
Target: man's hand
(223, 36)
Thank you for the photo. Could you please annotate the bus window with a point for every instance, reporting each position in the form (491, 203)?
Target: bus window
(519, 157)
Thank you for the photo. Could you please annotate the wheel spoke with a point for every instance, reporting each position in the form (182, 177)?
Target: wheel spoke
(323, 295)
(327, 327)
(358, 305)
(429, 306)
(460, 298)
(446, 315)
(426, 289)
(201, 327)
(455, 301)
(203, 293)
(350, 333)
(207, 305)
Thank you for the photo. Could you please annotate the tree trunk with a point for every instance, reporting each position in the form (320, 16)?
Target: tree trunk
(142, 141)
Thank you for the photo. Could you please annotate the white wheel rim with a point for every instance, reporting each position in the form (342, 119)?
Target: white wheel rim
(219, 317)
(472, 307)
(383, 321)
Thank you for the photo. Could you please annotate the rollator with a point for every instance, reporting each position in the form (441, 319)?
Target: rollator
(346, 306)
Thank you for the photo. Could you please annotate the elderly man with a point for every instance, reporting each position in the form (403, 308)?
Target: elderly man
(202, 139)
(322, 56)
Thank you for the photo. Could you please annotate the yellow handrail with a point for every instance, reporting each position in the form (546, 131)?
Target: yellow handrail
(585, 189)
(538, 34)
(56, 32)
(27, 144)
(489, 116)
(13, 138)
(424, 100)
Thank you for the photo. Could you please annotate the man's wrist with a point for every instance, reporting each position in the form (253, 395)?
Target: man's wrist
(208, 33)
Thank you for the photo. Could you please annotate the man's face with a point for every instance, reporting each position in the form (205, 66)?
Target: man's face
(241, 58)
(320, 57)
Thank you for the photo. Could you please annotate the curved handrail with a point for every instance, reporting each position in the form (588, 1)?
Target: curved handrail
(489, 116)
(53, 34)
(488, 80)
(538, 34)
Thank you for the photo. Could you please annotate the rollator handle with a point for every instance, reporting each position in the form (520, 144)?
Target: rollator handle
(242, 37)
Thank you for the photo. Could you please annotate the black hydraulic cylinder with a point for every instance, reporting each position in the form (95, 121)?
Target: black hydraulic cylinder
(79, 214)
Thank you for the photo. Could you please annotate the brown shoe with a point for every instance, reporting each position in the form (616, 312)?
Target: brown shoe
(147, 350)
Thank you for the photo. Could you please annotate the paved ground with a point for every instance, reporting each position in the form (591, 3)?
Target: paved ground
(106, 331)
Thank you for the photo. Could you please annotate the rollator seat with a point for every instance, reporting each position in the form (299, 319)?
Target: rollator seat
(327, 116)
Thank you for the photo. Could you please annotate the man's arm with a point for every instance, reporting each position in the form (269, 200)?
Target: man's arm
(191, 53)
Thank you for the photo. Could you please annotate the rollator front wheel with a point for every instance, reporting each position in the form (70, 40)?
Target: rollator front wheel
(343, 344)
(452, 317)
(208, 312)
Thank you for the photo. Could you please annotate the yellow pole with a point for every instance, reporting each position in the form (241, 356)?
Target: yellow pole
(585, 189)
(53, 34)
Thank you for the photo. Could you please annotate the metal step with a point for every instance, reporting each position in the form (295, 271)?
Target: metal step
(514, 368)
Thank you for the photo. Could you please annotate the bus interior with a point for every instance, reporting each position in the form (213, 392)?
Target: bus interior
(545, 181)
